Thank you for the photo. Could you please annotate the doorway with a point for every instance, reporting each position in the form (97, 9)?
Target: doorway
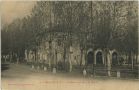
(99, 59)
(114, 59)
(90, 57)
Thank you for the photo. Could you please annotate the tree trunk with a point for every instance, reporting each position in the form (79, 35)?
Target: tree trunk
(18, 56)
(35, 52)
(136, 58)
(131, 59)
(81, 57)
(56, 58)
(64, 56)
(10, 57)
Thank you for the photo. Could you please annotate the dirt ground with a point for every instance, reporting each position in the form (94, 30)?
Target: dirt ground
(22, 77)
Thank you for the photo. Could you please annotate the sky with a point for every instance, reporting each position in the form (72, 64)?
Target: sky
(11, 10)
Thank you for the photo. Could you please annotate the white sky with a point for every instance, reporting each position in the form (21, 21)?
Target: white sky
(11, 10)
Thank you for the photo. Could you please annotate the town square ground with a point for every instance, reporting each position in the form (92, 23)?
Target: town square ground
(22, 77)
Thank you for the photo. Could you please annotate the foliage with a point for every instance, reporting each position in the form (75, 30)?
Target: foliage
(101, 24)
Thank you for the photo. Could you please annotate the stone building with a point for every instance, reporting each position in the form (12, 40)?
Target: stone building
(65, 47)
(55, 53)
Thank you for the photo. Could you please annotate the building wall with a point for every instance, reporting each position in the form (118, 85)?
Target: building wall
(55, 55)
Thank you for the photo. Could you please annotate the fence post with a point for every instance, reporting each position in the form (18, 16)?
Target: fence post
(32, 67)
(45, 68)
(84, 72)
(109, 73)
(138, 71)
(38, 67)
(93, 70)
(54, 70)
(118, 74)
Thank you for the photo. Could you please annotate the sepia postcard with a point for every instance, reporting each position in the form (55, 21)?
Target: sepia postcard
(69, 45)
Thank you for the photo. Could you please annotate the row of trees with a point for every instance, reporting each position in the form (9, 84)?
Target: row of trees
(90, 23)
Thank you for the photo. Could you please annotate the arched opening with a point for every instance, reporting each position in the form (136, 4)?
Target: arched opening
(99, 58)
(90, 57)
(114, 58)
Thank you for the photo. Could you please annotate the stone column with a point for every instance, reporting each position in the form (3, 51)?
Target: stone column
(95, 57)
(109, 64)
(103, 58)
(83, 59)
